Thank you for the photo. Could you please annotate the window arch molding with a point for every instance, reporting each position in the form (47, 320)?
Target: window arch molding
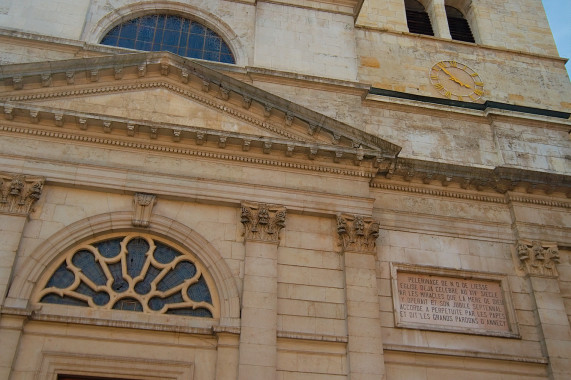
(35, 268)
(466, 7)
(120, 15)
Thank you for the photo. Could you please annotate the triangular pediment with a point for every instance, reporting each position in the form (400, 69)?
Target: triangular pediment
(157, 105)
(160, 94)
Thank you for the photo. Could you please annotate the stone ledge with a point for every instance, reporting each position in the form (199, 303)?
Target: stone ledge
(463, 353)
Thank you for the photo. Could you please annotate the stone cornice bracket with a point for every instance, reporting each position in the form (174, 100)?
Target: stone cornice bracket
(143, 209)
(18, 193)
(357, 233)
(538, 258)
(262, 222)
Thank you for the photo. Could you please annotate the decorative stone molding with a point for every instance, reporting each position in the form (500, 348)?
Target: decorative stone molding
(18, 193)
(143, 209)
(262, 222)
(538, 258)
(357, 233)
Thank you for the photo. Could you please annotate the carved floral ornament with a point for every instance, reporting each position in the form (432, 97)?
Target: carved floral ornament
(538, 258)
(18, 193)
(262, 222)
(357, 233)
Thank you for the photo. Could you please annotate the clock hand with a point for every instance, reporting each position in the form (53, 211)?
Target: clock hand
(452, 77)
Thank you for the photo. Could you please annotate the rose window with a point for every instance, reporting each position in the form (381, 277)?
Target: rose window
(133, 273)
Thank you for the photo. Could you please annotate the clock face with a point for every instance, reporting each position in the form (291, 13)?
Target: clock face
(456, 81)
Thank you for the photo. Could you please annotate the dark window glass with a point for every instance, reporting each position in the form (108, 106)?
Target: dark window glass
(170, 33)
(459, 27)
(417, 18)
(145, 276)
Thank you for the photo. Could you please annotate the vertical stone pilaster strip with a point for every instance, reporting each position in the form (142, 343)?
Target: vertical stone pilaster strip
(11, 328)
(438, 18)
(18, 193)
(357, 238)
(538, 260)
(258, 334)
(227, 353)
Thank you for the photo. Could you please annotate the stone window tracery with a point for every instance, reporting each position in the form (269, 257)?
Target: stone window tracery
(130, 272)
(164, 32)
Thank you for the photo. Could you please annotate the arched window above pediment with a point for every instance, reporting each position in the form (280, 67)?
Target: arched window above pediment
(173, 33)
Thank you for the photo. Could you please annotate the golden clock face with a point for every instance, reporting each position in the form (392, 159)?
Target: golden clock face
(456, 81)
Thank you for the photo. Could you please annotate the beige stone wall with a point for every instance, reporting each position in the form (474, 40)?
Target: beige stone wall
(514, 25)
(305, 41)
(443, 133)
(58, 18)
(403, 62)
(435, 367)
(309, 305)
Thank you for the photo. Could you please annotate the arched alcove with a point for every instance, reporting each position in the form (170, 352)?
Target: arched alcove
(33, 275)
(97, 31)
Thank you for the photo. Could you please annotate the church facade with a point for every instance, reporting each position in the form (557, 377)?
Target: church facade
(284, 189)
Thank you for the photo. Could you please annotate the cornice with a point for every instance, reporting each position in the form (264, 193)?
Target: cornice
(438, 192)
(191, 141)
(191, 76)
(510, 197)
(500, 180)
(345, 7)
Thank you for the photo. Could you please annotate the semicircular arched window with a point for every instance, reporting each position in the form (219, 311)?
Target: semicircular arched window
(176, 34)
(131, 272)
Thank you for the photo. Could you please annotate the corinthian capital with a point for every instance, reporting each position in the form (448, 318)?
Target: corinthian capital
(538, 258)
(357, 233)
(262, 222)
(18, 193)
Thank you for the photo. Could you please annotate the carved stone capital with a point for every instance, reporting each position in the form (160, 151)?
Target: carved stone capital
(18, 193)
(143, 209)
(357, 233)
(538, 258)
(262, 222)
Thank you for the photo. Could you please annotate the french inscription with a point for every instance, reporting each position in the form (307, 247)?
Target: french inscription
(451, 302)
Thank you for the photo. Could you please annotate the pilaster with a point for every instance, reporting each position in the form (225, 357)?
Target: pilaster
(18, 193)
(437, 14)
(539, 260)
(385, 14)
(357, 239)
(258, 335)
(11, 327)
(227, 353)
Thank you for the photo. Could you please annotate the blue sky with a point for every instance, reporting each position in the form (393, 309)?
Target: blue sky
(559, 16)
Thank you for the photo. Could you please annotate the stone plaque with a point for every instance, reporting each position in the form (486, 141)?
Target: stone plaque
(451, 303)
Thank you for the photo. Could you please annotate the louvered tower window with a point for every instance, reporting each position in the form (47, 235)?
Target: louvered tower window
(459, 27)
(417, 18)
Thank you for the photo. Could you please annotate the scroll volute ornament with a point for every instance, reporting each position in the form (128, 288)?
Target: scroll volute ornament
(18, 193)
(357, 233)
(262, 222)
(538, 258)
